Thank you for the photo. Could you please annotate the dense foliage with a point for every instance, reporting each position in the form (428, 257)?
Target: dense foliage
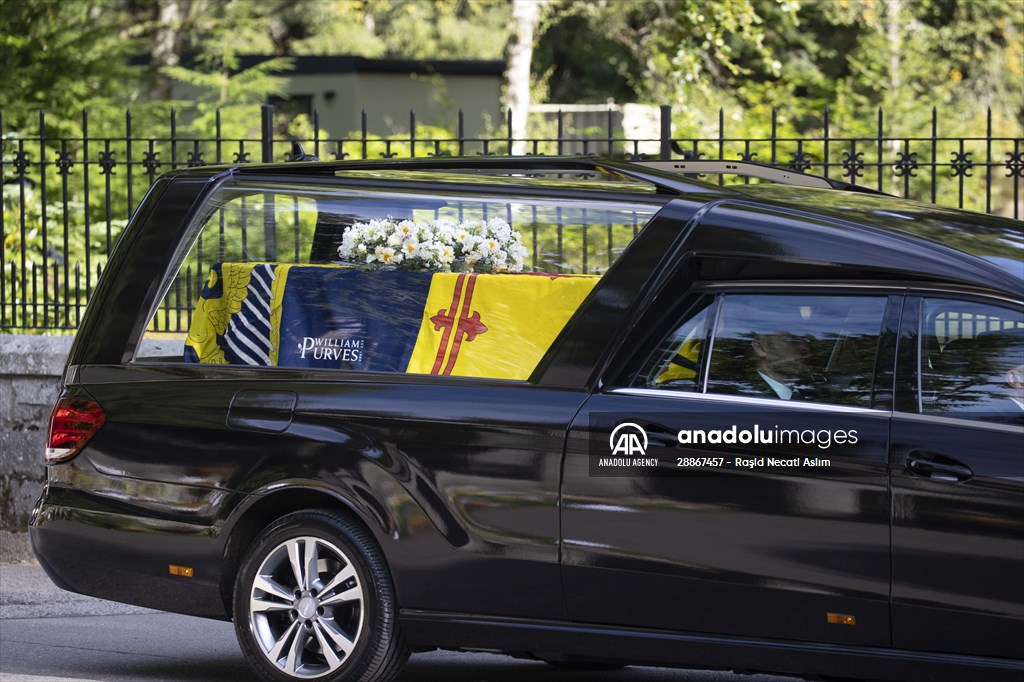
(725, 66)
(744, 55)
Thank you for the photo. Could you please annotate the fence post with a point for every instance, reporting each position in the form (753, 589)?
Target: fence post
(267, 132)
(666, 132)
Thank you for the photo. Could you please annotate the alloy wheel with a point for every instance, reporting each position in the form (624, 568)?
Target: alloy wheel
(306, 607)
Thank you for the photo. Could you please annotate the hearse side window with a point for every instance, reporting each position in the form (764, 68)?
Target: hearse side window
(677, 360)
(808, 348)
(263, 282)
(972, 361)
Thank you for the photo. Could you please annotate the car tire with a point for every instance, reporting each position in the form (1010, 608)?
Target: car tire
(337, 622)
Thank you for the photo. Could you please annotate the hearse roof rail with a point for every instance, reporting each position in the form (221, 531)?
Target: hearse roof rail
(677, 177)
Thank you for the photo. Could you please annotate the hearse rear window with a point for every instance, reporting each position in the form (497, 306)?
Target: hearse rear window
(415, 282)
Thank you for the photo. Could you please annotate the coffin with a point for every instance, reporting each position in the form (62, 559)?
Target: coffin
(338, 317)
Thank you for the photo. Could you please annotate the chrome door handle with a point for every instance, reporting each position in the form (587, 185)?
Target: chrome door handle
(939, 468)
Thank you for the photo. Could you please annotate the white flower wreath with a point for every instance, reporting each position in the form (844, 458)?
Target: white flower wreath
(443, 245)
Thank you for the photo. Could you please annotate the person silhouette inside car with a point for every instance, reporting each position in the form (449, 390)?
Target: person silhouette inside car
(782, 362)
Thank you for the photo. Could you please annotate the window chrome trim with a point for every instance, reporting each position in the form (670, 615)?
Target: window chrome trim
(830, 287)
(710, 336)
(918, 355)
(827, 286)
(959, 421)
(930, 291)
(746, 400)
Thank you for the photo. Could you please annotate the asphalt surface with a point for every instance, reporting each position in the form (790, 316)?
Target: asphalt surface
(49, 634)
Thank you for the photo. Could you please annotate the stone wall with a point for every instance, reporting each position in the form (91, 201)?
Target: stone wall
(30, 369)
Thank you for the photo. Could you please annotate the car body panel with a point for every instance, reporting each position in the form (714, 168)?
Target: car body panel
(471, 499)
(728, 549)
(480, 493)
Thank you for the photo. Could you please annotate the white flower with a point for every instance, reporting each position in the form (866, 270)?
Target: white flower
(445, 255)
(444, 230)
(435, 244)
(410, 249)
(430, 249)
(499, 229)
(406, 229)
(424, 232)
(499, 261)
(387, 255)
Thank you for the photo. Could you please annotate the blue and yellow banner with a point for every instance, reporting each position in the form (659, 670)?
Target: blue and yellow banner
(335, 317)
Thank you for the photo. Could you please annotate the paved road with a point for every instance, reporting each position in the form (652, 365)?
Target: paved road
(49, 634)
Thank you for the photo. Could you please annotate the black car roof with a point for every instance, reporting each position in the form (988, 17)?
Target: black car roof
(997, 241)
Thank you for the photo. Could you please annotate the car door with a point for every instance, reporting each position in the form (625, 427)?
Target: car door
(677, 514)
(958, 478)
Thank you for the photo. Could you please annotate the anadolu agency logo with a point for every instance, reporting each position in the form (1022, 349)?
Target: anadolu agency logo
(628, 439)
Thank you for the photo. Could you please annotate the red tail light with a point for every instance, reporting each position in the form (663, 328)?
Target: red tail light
(73, 422)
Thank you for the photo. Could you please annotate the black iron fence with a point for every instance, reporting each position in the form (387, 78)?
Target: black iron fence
(66, 199)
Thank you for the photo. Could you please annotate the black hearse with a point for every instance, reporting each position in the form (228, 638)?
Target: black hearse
(586, 411)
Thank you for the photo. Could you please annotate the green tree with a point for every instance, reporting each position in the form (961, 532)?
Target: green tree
(219, 82)
(962, 56)
(61, 56)
(750, 55)
(444, 29)
(405, 29)
(664, 50)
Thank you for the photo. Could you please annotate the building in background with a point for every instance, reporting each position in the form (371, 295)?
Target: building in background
(340, 88)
